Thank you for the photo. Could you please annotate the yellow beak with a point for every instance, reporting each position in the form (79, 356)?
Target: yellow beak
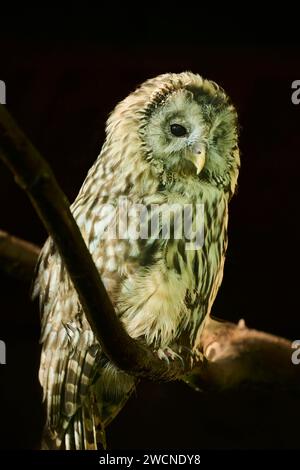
(197, 157)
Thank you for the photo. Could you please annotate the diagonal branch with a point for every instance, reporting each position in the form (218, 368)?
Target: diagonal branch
(233, 355)
(35, 177)
(230, 355)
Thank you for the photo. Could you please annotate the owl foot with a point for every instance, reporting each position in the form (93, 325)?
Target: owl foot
(167, 353)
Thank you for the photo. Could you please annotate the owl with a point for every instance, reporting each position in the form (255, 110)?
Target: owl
(171, 144)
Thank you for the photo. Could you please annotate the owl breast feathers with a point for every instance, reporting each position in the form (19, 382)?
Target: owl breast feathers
(171, 144)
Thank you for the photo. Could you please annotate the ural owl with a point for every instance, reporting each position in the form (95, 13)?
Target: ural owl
(173, 141)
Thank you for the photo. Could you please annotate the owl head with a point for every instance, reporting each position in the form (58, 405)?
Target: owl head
(185, 127)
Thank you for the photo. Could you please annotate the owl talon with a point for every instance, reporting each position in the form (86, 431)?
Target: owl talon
(163, 356)
(167, 353)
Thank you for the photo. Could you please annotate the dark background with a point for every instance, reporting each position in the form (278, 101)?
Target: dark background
(64, 72)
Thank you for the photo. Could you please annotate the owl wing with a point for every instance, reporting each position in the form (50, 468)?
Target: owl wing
(70, 354)
(71, 359)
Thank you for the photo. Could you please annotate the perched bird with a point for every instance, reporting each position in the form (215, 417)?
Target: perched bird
(170, 144)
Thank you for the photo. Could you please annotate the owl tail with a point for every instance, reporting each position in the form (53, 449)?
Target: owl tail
(84, 431)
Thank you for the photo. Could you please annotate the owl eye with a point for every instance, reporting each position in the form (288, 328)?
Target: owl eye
(178, 130)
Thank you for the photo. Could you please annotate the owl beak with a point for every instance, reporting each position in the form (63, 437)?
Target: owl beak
(197, 157)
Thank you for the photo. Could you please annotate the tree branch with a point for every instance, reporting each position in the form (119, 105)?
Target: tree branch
(232, 354)
(235, 355)
(17, 257)
(229, 355)
(34, 176)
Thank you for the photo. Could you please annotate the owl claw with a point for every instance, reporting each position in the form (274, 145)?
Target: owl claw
(163, 356)
(167, 353)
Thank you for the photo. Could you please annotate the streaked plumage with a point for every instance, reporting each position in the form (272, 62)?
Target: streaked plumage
(161, 291)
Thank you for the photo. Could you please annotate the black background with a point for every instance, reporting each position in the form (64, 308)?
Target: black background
(64, 72)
